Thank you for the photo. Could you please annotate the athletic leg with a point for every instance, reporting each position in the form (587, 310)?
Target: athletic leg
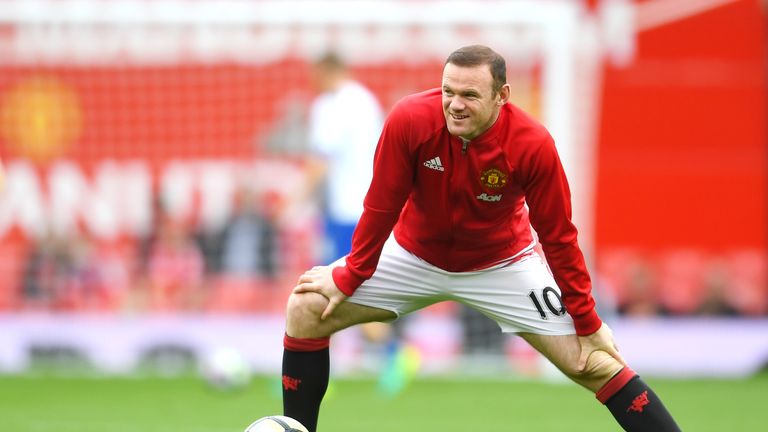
(306, 364)
(632, 402)
(534, 310)
(402, 284)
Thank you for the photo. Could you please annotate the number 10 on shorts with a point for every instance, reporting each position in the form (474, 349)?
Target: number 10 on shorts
(551, 299)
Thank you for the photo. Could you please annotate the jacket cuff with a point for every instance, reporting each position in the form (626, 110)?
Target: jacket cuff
(345, 280)
(588, 323)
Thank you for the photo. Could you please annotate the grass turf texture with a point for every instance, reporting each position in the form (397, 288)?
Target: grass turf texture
(60, 404)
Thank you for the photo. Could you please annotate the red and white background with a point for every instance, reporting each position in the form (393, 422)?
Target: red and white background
(122, 119)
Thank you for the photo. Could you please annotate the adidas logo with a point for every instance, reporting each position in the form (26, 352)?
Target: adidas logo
(434, 164)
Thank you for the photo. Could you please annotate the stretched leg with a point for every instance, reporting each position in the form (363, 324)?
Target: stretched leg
(630, 400)
(306, 357)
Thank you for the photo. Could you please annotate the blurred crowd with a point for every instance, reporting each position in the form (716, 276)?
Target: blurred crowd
(686, 282)
(176, 266)
(251, 262)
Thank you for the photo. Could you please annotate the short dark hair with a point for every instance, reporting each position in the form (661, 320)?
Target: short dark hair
(477, 55)
(331, 61)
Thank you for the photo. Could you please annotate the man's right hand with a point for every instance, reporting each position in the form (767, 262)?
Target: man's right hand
(320, 280)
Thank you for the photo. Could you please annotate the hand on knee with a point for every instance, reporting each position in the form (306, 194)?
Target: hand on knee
(600, 367)
(303, 315)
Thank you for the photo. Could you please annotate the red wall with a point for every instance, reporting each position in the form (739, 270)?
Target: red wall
(682, 159)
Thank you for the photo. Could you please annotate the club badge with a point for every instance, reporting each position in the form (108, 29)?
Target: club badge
(493, 178)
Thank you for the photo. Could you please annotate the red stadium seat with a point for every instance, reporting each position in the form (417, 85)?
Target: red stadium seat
(682, 275)
(747, 283)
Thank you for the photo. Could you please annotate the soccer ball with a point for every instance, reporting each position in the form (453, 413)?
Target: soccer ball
(276, 423)
(225, 369)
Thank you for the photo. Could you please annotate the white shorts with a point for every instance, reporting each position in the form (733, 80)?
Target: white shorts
(520, 296)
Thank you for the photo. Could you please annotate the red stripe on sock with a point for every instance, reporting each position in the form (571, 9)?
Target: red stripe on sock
(615, 384)
(305, 344)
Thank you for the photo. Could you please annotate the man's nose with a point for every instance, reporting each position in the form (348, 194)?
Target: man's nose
(457, 104)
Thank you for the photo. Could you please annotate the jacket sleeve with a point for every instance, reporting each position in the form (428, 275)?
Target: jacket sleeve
(549, 202)
(393, 175)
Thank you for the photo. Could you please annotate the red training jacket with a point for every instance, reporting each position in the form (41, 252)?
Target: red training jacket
(461, 206)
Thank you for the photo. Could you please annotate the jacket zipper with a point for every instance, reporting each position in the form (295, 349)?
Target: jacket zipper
(457, 166)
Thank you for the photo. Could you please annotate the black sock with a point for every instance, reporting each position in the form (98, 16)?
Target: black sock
(306, 367)
(634, 405)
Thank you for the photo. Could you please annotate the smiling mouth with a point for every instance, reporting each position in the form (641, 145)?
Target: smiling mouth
(458, 116)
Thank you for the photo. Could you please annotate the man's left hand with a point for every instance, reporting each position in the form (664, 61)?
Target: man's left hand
(601, 340)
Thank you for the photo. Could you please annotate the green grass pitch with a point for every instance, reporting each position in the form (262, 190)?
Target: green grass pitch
(77, 404)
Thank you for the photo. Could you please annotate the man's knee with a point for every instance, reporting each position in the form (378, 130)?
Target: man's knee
(303, 313)
(600, 367)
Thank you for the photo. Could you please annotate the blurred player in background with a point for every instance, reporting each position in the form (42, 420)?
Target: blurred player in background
(345, 121)
(454, 169)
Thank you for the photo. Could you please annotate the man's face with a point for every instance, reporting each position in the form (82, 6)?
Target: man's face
(322, 78)
(470, 105)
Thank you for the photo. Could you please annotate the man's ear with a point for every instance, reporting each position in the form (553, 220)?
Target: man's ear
(504, 94)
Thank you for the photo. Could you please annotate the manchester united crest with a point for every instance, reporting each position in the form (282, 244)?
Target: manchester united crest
(493, 178)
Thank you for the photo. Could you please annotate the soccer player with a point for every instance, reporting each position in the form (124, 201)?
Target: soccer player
(445, 218)
(345, 120)
(344, 124)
